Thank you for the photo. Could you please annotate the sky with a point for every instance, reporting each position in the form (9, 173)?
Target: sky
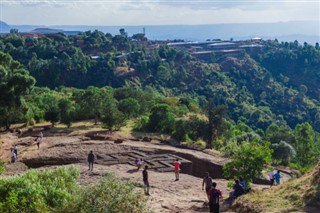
(155, 12)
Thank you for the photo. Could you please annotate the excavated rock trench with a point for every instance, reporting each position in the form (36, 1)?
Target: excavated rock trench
(157, 159)
(75, 151)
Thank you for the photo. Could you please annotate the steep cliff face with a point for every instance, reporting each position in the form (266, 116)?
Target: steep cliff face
(301, 194)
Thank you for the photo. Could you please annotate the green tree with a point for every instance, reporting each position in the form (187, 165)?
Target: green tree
(216, 116)
(112, 118)
(52, 110)
(161, 119)
(15, 82)
(67, 112)
(14, 31)
(276, 134)
(130, 107)
(92, 102)
(305, 145)
(283, 152)
(248, 161)
(163, 73)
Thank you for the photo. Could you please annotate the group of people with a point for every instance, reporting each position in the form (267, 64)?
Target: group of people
(145, 178)
(213, 194)
(14, 149)
(239, 188)
(274, 177)
(139, 163)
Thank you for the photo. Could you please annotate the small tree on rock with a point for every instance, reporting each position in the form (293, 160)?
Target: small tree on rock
(248, 161)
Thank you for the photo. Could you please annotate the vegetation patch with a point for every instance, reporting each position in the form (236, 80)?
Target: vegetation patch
(57, 191)
(294, 195)
(109, 195)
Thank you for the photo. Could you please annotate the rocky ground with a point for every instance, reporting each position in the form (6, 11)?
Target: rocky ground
(167, 195)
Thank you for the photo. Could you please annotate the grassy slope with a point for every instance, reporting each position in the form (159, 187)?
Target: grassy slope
(295, 195)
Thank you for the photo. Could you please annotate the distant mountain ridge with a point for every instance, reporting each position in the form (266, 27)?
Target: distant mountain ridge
(303, 31)
(4, 27)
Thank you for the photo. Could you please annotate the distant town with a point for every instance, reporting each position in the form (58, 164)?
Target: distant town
(201, 50)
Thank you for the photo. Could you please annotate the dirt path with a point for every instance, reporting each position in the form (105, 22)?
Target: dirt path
(167, 195)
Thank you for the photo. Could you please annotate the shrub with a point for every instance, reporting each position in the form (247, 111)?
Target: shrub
(110, 195)
(130, 107)
(141, 123)
(161, 119)
(57, 191)
(38, 191)
(200, 143)
(230, 148)
(114, 119)
(283, 152)
(248, 161)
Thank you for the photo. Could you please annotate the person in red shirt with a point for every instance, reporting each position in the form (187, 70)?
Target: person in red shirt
(177, 164)
(214, 198)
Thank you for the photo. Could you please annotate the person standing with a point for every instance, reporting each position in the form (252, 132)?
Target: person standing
(207, 182)
(277, 177)
(38, 141)
(145, 180)
(13, 156)
(91, 160)
(15, 149)
(177, 164)
(139, 163)
(271, 178)
(214, 198)
(40, 135)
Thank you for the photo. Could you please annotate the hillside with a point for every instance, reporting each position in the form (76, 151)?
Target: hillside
(214, 94)
(302, 194)
(258, 87)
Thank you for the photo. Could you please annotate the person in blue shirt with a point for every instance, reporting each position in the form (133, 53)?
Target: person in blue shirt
(277, 177)
(242, 183)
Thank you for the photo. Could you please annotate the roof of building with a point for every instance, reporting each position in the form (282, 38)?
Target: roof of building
(250, 45)
(46, 31)
(221, 44)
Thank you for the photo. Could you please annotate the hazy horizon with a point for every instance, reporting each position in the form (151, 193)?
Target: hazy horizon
(283, 31)
(155, 12)
(171, 19)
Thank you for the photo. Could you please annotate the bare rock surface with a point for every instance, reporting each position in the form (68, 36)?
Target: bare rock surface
(167, 195)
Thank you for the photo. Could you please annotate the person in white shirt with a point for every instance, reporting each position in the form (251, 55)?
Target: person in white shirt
(13, 156)
(39, 139)
(271, 178)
